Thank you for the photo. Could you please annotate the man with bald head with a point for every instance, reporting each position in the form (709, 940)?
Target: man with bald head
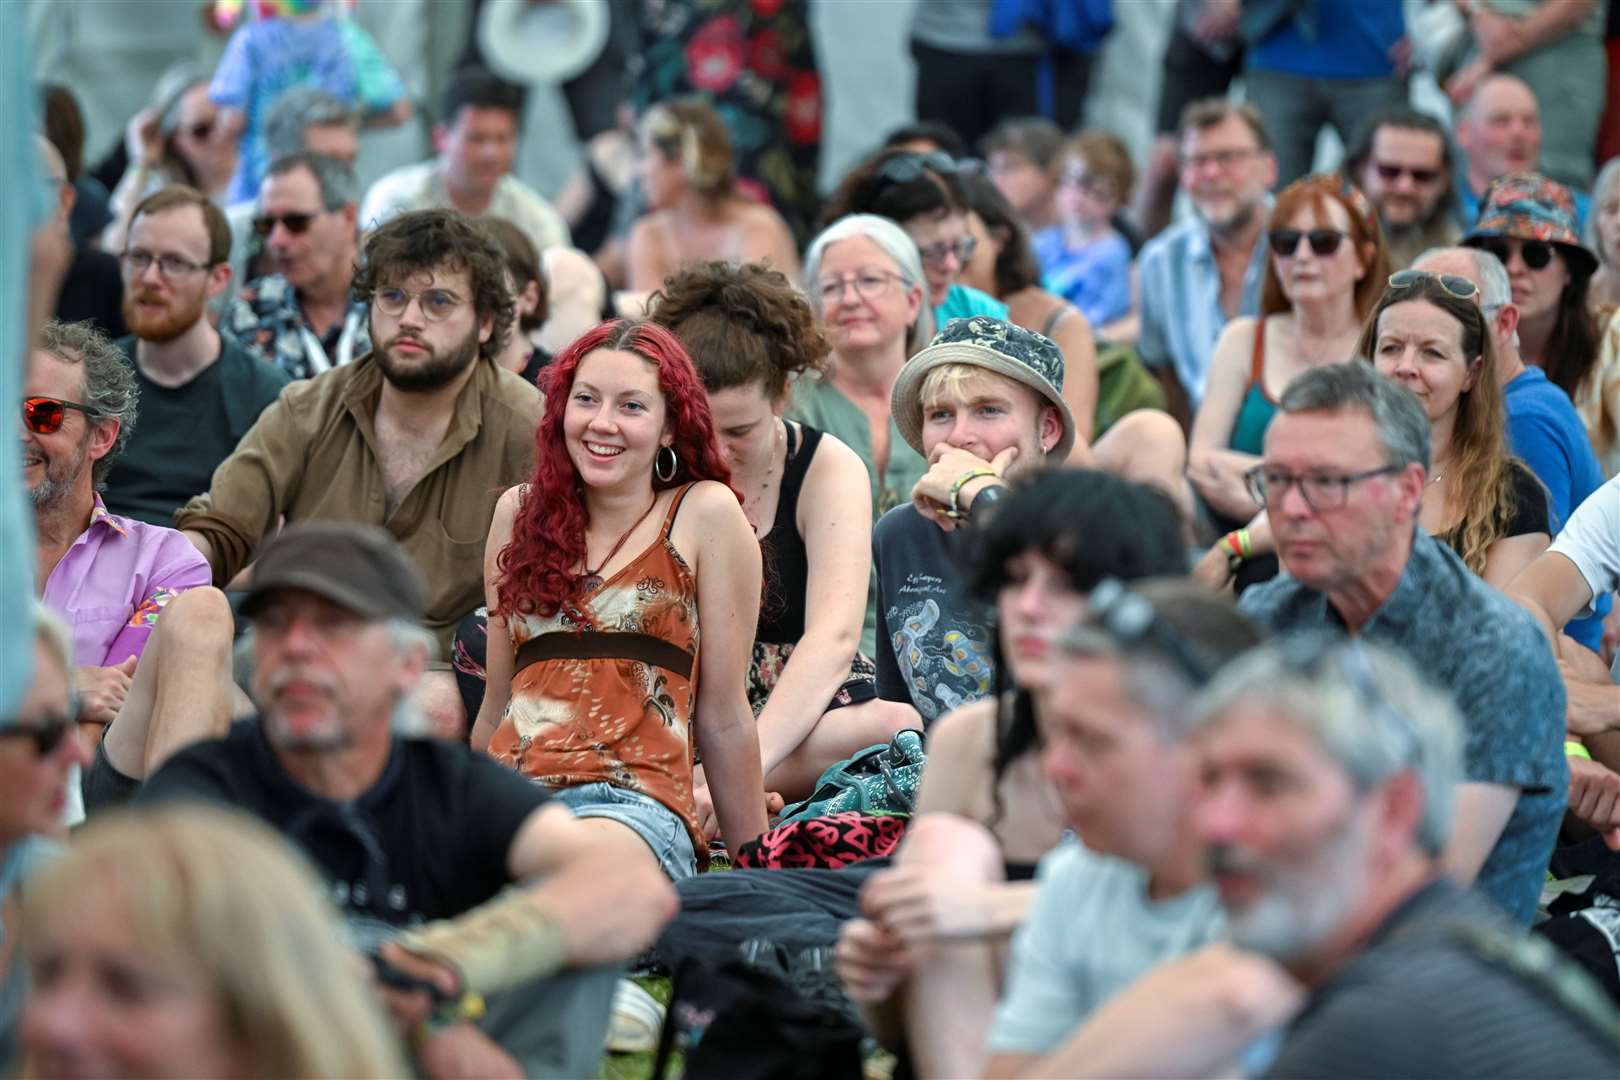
(1500, 132)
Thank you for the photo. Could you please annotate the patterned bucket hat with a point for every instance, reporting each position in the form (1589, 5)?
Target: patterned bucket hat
(1529, 206)
(1021, 355)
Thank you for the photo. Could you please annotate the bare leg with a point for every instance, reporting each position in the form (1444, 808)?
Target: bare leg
(182, 690)
(839, 734)
(1148, 447)
(625, 843)
(949, 999)
(440, 701)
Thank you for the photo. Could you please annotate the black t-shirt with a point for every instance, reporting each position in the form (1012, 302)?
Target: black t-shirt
(93, 290)
(429, 840)
(1529, 509)
(787, 562)
(933, 645)
(182, 433)
(1422, 1001)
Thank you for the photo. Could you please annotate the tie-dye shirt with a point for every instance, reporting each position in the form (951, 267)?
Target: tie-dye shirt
(115, 580)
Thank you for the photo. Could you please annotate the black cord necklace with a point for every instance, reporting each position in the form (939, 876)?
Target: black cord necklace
(591, 580)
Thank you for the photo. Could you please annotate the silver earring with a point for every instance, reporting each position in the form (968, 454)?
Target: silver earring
(658, 464)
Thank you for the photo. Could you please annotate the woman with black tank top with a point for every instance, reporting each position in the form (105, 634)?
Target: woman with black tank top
(985, 812)
(806, 495)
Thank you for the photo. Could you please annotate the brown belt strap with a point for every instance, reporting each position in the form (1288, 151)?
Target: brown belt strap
(606, 645)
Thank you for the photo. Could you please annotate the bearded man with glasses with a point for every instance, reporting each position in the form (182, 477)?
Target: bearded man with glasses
(1345, 466)
(420, 436)
(1402, 159)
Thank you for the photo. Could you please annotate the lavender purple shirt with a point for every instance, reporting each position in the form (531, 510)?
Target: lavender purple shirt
(115, 580)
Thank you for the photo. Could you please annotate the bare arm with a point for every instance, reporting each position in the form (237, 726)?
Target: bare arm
(1593, 699)
(1074, 338)
(835, 519)
(1552, 590)
(498, 657)
(1213, 468)
(1503, 38)
(1482, 812)
(728, 574)
(1511, 555)
(648, 262)
(771, 241)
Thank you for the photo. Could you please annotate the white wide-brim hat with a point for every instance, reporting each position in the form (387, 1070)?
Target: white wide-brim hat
(548, 43)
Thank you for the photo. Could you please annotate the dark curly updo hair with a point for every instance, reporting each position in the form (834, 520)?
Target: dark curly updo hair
(742, 325)
(430, 240)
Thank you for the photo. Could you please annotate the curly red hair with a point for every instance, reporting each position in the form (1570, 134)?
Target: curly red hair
(548, 533)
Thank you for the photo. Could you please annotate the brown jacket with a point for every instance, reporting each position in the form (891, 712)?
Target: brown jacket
(313, 456)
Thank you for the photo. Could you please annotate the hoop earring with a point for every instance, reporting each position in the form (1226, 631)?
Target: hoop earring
(658, 464)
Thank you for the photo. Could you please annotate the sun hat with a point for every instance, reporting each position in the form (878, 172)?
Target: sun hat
(1011, 351)
(1529, 206)
(360, 568)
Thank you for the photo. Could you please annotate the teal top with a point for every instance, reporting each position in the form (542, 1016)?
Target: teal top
(1254, 417)
(816, 402)
(963, 302)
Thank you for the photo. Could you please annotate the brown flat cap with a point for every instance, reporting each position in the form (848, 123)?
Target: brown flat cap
(358, 567)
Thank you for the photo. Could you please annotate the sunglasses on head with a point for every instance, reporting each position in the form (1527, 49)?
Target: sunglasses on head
(1390, 173)
(1460, 287)
(44, 415)
(47, 735)
(1285, 242)
(909, 168)
(1535, 253)
(297, 224)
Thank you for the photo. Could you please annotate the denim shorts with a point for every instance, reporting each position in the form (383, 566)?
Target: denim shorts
(658, 826)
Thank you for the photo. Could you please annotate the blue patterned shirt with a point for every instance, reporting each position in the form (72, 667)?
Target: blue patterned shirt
(1470, 640)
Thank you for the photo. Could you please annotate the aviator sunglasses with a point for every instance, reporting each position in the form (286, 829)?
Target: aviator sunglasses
(44, 415)
(1285, 242)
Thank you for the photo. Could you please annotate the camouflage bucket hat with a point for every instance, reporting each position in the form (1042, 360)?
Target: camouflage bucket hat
(1529, 206)
(1018, 354)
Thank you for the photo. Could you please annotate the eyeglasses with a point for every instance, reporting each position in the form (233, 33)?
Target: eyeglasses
(136, 260)
(297, 224)
(1460, 287)
(963, 249)
(1391, 173)
(909, 168)
(1535, 253)
(1130, 618)
(45, 415)
(436, 305)
(47, 734)
(1322, 492)
(1285, 242)
(867, 286)
(1095, 186)
(1224, 159)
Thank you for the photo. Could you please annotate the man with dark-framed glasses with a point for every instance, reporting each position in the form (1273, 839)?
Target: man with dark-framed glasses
(419, 436)
(1346, 462)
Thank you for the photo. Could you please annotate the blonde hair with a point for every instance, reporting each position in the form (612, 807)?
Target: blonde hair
(960, 381)
(224, 889)
(690, 133)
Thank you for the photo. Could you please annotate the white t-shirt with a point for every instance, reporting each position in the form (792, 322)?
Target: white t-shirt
(421, 187)
(1092, 932)
(1591, 540)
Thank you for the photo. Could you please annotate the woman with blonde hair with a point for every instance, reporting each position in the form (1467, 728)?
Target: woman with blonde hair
(186, 941)
(696, 210)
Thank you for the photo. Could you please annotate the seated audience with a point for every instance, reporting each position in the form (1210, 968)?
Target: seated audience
(1543, 428)
(173, 140)
(1348, 933)
(983, 402)
(1023, 156)
(932, 979)
(1134, 891)
(1602, 237)
(199, 391)
(40, 751)
(419, 840)
(62, 124)
(302, 316)
(1343, 478)
(696, 210)
(1529, 223)
(244, 969)
(92, 290)
(1197, 276)
(1402, 159)
(805, 494)
(1326, 269)
(1499, 132)
(1004, 266)
(600, 574)
(923, 194)
(521, 354)
(418, 435)
(1084, 258)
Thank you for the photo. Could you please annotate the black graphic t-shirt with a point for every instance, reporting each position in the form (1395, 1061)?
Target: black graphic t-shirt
(429, 840)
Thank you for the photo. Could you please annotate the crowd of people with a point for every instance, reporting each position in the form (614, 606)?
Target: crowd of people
(1043, 613)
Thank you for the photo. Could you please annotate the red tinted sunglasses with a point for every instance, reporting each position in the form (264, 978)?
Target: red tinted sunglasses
(44, 415)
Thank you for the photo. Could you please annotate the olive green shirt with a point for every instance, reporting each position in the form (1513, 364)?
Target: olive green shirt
(817, 402)
(312, 455)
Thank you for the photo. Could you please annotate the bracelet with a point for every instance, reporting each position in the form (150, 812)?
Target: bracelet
(1239, 544)
(956, 488)
(1575, 749)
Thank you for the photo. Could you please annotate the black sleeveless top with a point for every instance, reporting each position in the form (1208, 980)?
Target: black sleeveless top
(787, 566)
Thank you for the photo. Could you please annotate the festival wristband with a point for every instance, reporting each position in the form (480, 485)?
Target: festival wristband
(507, 942)
(1575, 749)
(966, 478)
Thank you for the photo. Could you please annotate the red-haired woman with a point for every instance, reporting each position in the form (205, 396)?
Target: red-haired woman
(600, 573)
